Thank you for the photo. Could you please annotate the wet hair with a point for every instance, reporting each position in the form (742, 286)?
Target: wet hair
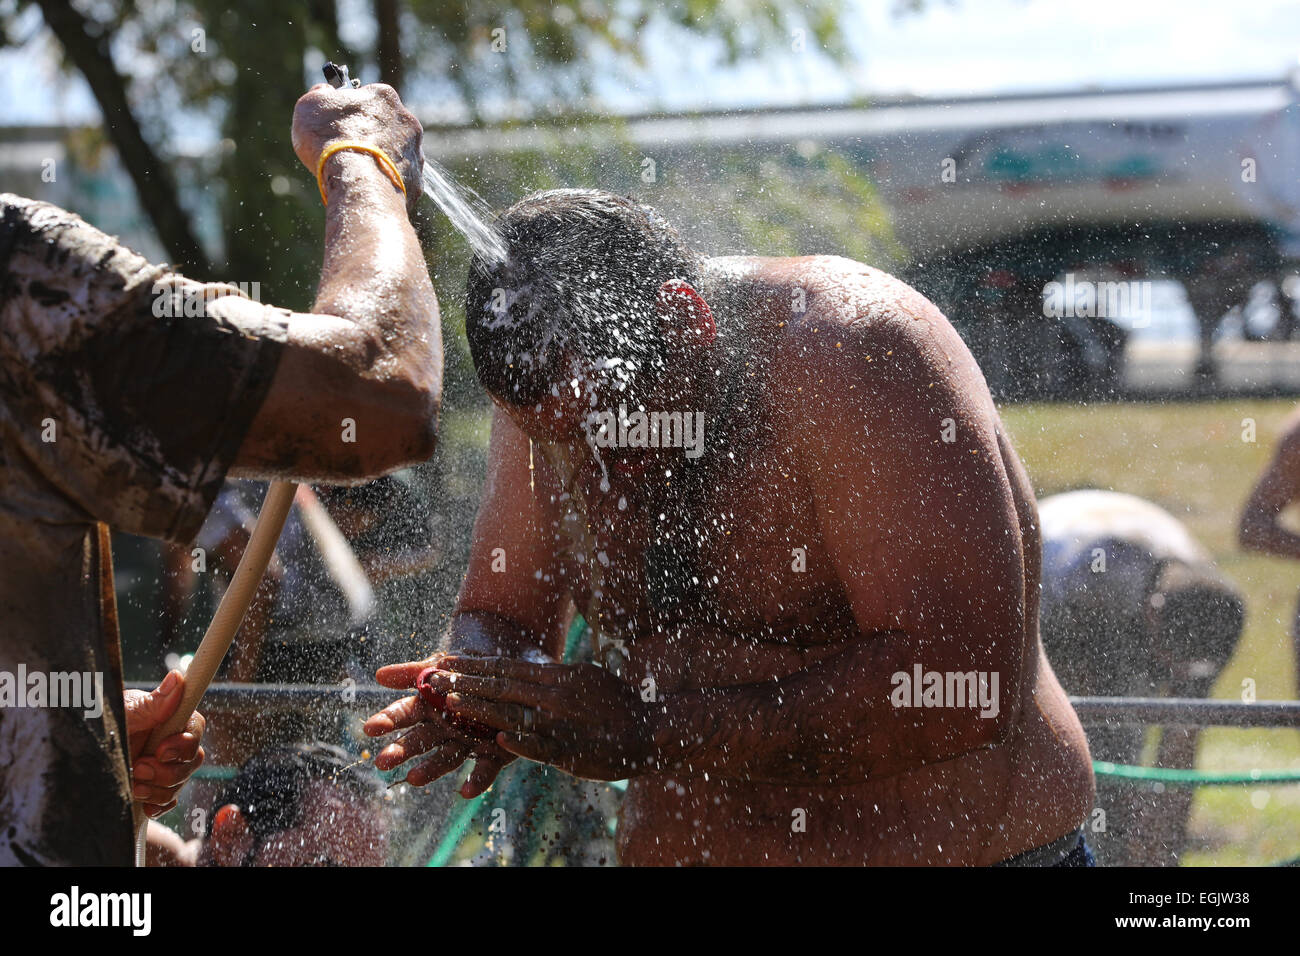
(270, 787)
(582, 272)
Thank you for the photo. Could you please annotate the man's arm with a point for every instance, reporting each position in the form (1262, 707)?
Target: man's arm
(1278, 486)
(924, 538)
(513, 603)
(153, 401)
(372, 352)
(513, 600)
(520, 610)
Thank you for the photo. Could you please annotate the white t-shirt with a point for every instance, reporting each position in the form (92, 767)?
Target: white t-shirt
(1084, 531)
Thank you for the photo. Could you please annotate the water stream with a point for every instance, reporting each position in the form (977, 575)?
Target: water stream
(468, 213)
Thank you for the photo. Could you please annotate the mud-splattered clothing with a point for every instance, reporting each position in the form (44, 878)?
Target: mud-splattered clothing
(125, 393)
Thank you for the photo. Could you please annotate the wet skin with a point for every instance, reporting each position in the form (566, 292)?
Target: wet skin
(771, 737)
(1277, 488)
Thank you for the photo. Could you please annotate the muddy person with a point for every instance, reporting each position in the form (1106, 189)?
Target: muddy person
(819, 637)
(122, 406)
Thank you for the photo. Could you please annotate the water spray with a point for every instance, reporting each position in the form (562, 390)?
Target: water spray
(468, 213)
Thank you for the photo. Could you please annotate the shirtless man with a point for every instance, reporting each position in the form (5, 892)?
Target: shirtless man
(1277, 488)
(855, 515)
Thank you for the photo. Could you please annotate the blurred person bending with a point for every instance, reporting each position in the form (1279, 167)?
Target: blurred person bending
(1133, 606)
(289, 805)
(1261, 527)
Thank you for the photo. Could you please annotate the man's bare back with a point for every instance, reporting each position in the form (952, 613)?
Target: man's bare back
(1032, 788)
(868, 519)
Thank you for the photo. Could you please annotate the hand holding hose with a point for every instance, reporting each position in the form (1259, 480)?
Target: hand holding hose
(158, 775)
(371, 114)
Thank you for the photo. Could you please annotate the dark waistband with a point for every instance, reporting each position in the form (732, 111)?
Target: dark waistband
(1049, 854)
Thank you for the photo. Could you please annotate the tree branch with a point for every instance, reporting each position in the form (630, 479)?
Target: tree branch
(153, 180)
(388, 46)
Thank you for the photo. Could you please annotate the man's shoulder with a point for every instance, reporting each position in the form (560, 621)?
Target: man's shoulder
(840, 281)
(23, 218)
(17, 226)
(858, 321)
(62, 272)
(33, 215)
(20, 204)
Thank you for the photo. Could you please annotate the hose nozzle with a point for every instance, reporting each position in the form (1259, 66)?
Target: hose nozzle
(336, 75)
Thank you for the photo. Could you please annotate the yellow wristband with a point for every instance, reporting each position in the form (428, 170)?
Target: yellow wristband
(385, 163)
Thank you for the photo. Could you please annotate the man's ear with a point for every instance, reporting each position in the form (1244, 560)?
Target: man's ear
(684, 317)
(231, 840)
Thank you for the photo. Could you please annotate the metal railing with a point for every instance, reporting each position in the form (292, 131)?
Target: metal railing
(1176, 711)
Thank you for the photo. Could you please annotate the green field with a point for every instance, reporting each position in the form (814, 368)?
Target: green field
(1191, 459)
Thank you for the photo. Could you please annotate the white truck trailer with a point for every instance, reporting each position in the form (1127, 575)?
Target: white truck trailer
(996, 198)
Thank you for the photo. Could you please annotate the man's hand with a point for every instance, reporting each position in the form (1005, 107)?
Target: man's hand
(447, 748)
(578, 717)
(157, 778)
(373, 114)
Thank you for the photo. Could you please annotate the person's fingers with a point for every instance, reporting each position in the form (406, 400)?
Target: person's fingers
(495, 714)
(486, 768)
(447, 759)
(402, 676)
(155, 794)
(406, 712)
(146, 711)
(500, 689)
(182, 747)
(155, 773)
(509, 667)
(418, 741)
(309, 100)
(386, 93)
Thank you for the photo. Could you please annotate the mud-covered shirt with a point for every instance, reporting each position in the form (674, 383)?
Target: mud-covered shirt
(125, 393)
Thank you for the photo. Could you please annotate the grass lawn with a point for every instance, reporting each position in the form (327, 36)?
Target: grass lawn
(1191, 459)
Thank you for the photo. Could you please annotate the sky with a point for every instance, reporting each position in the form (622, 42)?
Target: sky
(953, 47)
(965, 47)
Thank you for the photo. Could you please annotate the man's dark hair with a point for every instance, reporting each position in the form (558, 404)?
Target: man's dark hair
(270, 787)
(582, 271)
